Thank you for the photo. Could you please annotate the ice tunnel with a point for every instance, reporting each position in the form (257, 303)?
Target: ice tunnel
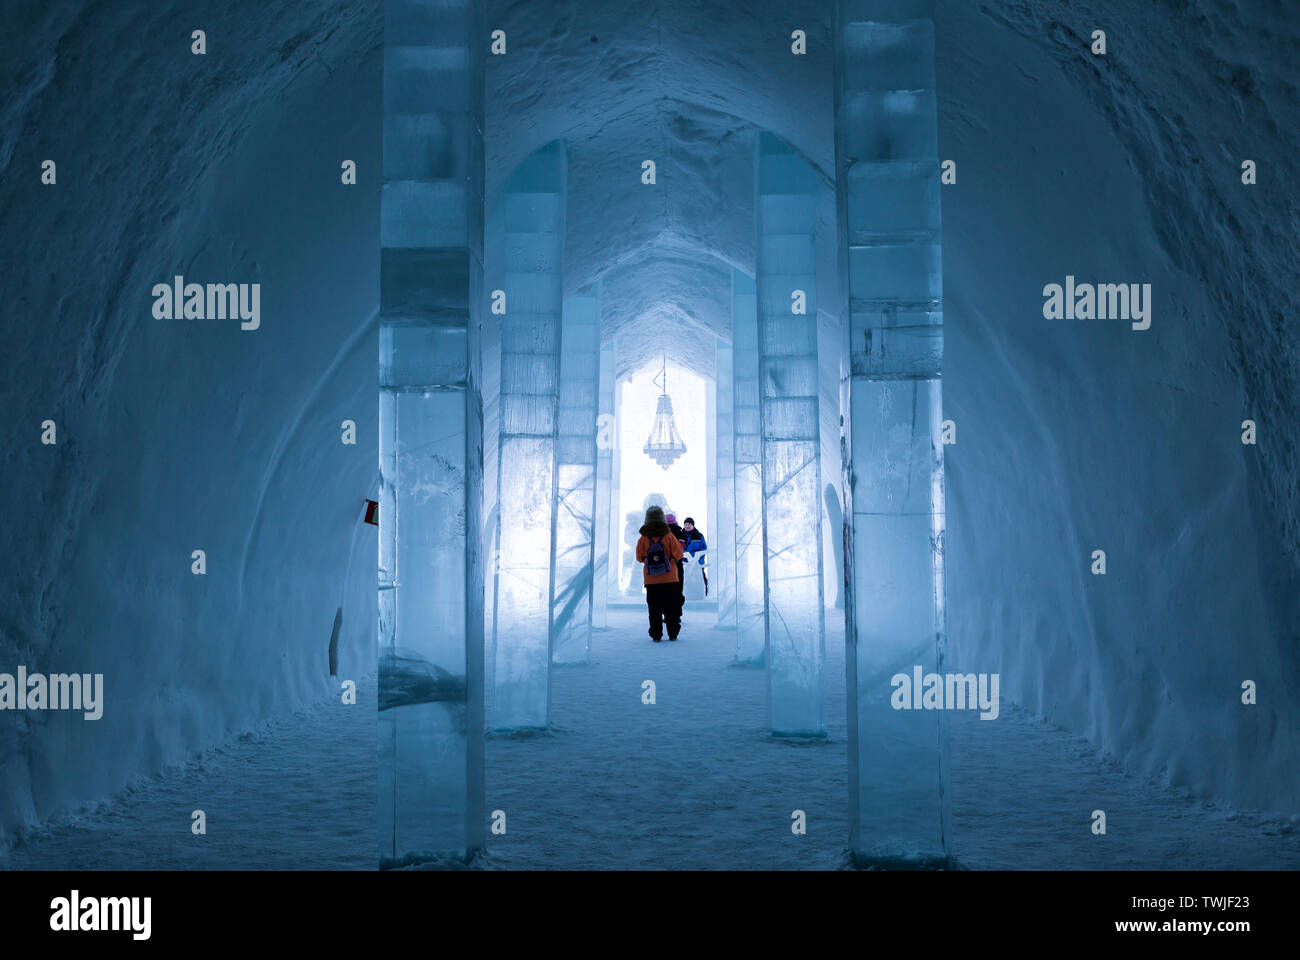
(835, 225)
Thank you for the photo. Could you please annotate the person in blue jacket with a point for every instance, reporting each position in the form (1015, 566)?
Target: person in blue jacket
(693, 542)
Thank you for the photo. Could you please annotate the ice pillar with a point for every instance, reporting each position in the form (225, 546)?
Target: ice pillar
(722, 535)
(533, 240)
(888, 200)
(747, 476)
(792, 495)
(605, 443)
(430, 448)
(576, 479)
(710, 464)
(617, 532)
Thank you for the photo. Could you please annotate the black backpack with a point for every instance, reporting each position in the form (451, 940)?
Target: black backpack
(656, 558)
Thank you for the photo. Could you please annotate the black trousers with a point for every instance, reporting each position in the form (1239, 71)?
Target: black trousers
(665, 603)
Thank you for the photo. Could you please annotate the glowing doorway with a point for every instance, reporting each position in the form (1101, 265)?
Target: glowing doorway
(682, 486)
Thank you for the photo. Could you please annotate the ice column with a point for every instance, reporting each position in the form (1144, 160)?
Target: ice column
(606, 439)
(576, 483)
(709, 520)
(430, 449)
(792, 491)
(722, 535)
(533, 240)
(617, 532)
(747, 476)
(888, 201)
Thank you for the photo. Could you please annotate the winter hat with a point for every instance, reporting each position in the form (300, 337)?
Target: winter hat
(671, 518)
(690, 520)
(654, 515)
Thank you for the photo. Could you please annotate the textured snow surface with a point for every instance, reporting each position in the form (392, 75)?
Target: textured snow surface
(183, 435)
(294, 793)
(690, 782)
(1083, 435)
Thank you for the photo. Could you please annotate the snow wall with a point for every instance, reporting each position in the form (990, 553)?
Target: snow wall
(1084, 435)
(183, 435)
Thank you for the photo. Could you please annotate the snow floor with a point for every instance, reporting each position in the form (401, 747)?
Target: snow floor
(691, 782)
(297, 792)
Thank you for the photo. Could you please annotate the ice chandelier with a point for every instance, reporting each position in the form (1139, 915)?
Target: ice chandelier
(664, 446)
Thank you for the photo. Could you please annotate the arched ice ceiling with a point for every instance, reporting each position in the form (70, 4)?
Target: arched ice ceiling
(685, 85)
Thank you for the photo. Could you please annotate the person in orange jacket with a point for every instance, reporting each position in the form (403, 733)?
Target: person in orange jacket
(660, 552)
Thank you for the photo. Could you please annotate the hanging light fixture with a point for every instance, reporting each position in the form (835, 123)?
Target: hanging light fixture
(664, 445)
